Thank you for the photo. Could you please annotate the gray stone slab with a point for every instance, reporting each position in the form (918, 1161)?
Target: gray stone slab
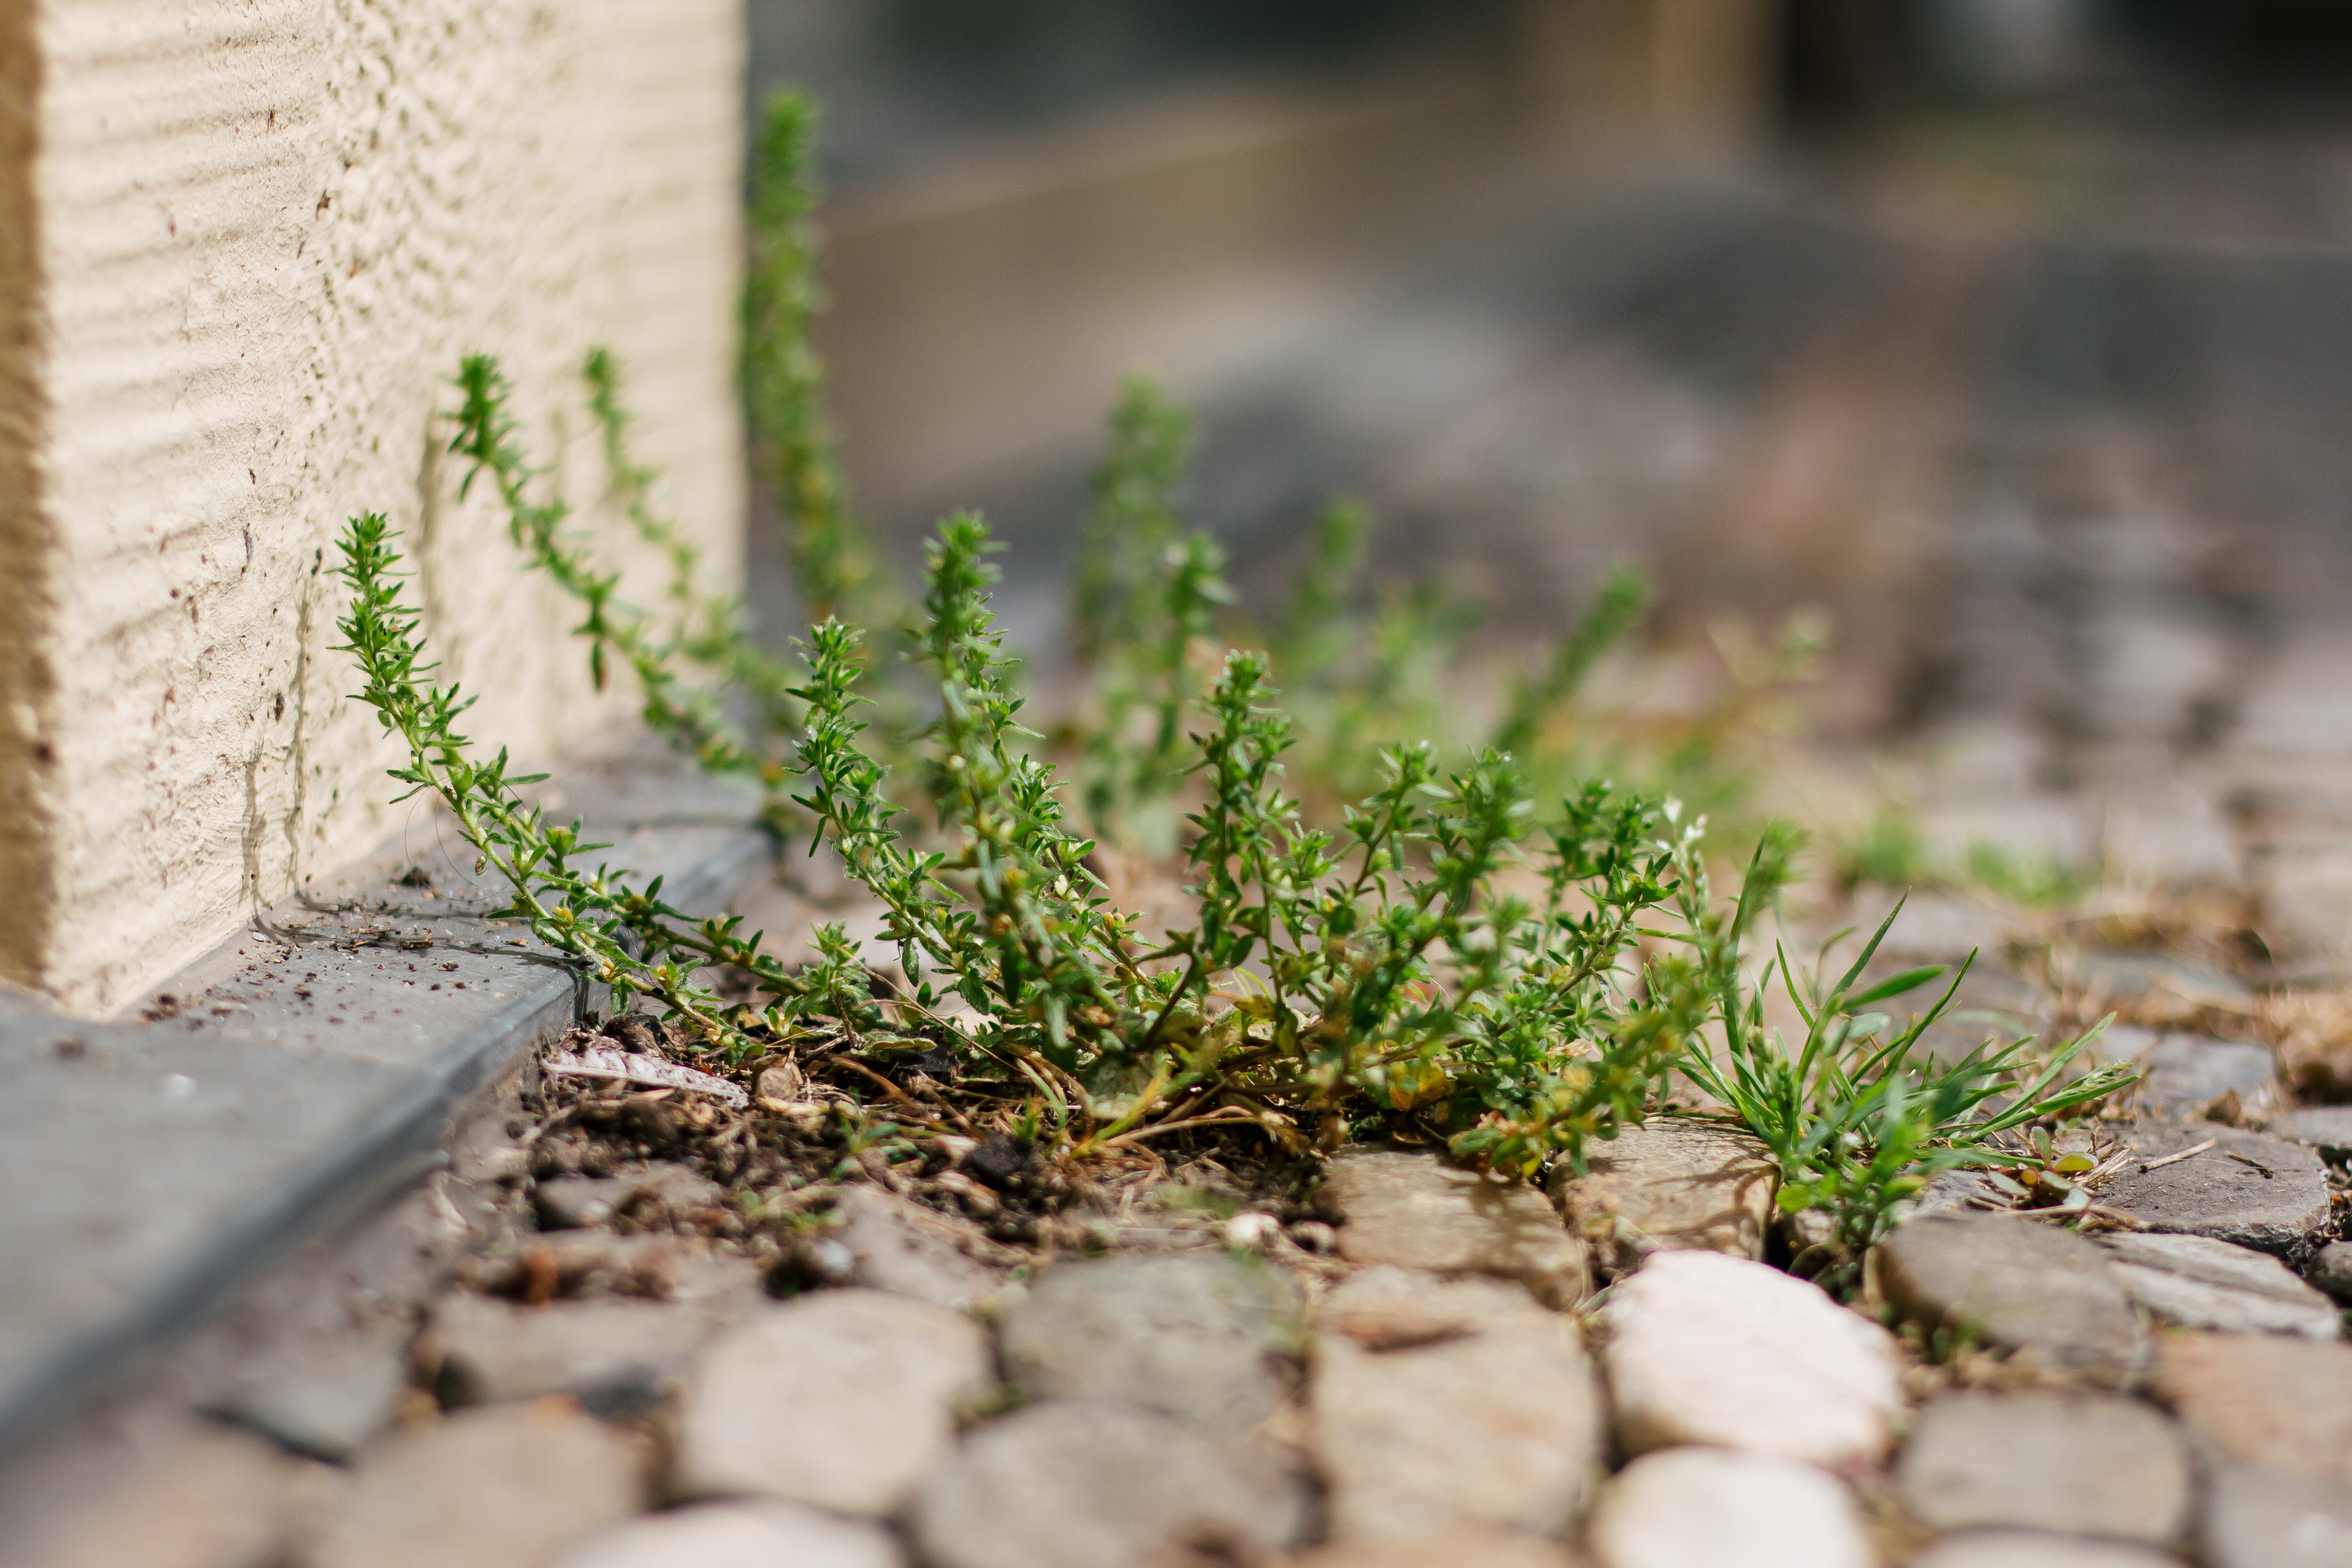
(2257, 1192)
(2013, 1284)
(2070, 1465)
(293, 1080)
(2181, 1075)
(2327, 1128)
(2196, 1282)
(148, 1176)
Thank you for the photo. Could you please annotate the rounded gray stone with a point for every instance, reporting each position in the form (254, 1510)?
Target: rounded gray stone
(2013, 1284)
(1097, 1484)
(1202, 1337)
(2330, 1268)
(2084, 1465)
(841, 1399)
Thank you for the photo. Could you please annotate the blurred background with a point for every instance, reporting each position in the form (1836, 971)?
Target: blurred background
(2014, 336)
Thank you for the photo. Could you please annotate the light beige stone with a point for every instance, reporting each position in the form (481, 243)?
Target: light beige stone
(899, 1246)
(740, 1535)
(2263, 1400)
(2025, 1549)
(1457, 1549)
(497, 1487)
(1093, 1483)
(1679, 1185)
(1442, 1406)
(248, 241)
(613, 1353)
(2069, 1465)
(841, 1400)
(1204, 1337)
(1709, 1349)
(1709, 1507)
(217, 1500)
(1415, 1211)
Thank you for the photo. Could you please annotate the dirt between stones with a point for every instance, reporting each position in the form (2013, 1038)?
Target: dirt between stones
(751, 1317)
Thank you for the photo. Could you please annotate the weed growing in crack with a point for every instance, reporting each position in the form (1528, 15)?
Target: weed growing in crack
(1860, 1115)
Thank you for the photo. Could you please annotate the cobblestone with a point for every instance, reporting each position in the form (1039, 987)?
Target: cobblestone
(840, 1400)
(2068, 1465)
(1416, 1212)
(1436, 1406)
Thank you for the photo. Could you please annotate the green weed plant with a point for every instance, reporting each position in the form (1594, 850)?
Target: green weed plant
(1431, 942)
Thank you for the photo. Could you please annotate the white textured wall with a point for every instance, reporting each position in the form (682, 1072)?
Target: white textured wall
(267, 230)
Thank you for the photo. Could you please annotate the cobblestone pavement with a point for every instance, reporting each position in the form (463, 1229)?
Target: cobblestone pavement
(625, 1331)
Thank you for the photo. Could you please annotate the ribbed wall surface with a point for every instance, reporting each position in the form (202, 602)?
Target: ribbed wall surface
(268, 231)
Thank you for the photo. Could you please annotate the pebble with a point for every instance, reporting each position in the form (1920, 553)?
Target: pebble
(2023, 1549)
(218, 1499)
(1097, 1484)
(1202, 1337)
(586, 1263)
(1464, 1549)
(2016, 1285)
(2261, 1399)
(569, 1203)
(1710, 1507)
(614, 1355)
(740, 1535)
(1709, 1349)
(2327, 1128)
(2330, 1268)
(2081, 1465)
(1441, 1405)
(2257, 1192)
(494, 1488)
(2264, 1519)
(1415, 1211)
(841, 1399)
(1672, 1184)
(899, 1246)
(2195, 1282)
(325, 1395)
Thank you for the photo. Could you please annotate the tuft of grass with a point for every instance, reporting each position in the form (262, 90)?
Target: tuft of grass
(1858, 1116)
(1890, 850)
(2036, 881)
